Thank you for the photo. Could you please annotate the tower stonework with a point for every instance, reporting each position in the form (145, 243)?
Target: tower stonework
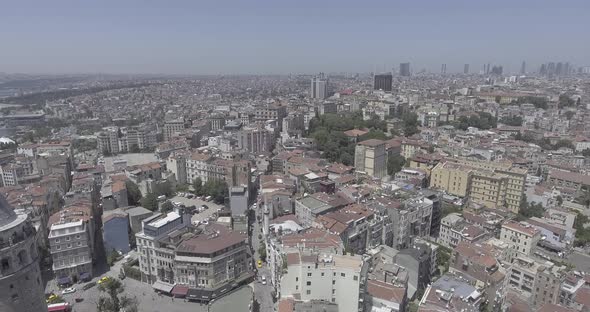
(21, 287)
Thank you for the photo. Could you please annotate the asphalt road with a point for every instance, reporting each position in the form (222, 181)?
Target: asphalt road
(262, 293)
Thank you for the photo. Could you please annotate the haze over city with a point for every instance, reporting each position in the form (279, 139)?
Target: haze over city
(295, 156)
(278, 37)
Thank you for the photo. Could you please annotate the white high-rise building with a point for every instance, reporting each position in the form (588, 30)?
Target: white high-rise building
(319, 87)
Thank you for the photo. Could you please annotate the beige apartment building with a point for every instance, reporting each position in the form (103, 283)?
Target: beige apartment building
(451, 177)
(492, 184)
(370, 157)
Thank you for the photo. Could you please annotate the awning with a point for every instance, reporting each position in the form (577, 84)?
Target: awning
(163, 286)
(197, 294)
(180, 291)
(64, 280)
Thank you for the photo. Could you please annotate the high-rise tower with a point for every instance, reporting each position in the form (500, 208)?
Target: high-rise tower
(404, 69)
(319, 87)
(383, 82)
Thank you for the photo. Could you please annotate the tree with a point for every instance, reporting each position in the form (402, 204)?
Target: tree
(538, 102)
(167, 206)
(115, 302)
(586, 152)
(112, 257)
(150, 202)
(198, 186)
(515, 121)
(217, 189)
(133, 193)
(559, 200)
(395, 164)
(410, 124)
(582, 232)
(527, 210)
(262, 251)
(584, 197)
(163, 188)
(569, 114)
(565, 101)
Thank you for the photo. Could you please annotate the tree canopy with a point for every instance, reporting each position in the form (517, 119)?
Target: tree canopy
(133, 193)
(115, 301)
(328, 132)
(481, 121)
(395, 164)
(410, 124)
(150, 202)
(512, 121)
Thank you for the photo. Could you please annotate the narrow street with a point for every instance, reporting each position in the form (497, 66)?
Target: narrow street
(262, 293)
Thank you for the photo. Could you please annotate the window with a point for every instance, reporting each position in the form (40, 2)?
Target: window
(322, 273)
(308, 283)
(356, 278)
(297, 279)
(342, 274)
(309, 274)
(309, 292)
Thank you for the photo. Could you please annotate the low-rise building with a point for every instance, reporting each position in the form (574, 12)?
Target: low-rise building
(330, 277)
(520, 237)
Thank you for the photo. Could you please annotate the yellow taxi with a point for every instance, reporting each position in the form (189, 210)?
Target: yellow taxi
(259, 263)
(103, 279)
(51, 298)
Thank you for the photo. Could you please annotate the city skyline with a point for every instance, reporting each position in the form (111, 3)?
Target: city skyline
(258, 38)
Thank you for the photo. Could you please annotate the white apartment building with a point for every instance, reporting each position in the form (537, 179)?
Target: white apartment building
(71, 248)
(330, 277)
(520, 236)
(155, 247)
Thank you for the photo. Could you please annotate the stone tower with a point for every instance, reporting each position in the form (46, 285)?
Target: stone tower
(21, 287)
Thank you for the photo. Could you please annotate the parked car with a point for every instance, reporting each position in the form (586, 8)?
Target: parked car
(70, 290)
(89, 285)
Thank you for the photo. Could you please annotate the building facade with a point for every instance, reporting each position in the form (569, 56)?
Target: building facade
(370, 157)
(20, 276)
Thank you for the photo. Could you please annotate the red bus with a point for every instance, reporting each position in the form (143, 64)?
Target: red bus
(59, 307)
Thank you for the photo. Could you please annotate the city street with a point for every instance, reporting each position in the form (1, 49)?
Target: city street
(262, 293)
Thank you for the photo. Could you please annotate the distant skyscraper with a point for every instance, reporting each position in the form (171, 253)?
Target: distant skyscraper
(543, 70)
(404, 69)
(523, 68)
(551, 69)
(383, 82)
(466, 69)
(487, 70)
(319, 87)
(497, 70)
(566, 68)
(559, 69)
(443, 69)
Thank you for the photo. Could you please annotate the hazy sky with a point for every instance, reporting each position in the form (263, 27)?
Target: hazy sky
(277, 36)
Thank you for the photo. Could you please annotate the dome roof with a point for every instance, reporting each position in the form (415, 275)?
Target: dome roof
(7, 213)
